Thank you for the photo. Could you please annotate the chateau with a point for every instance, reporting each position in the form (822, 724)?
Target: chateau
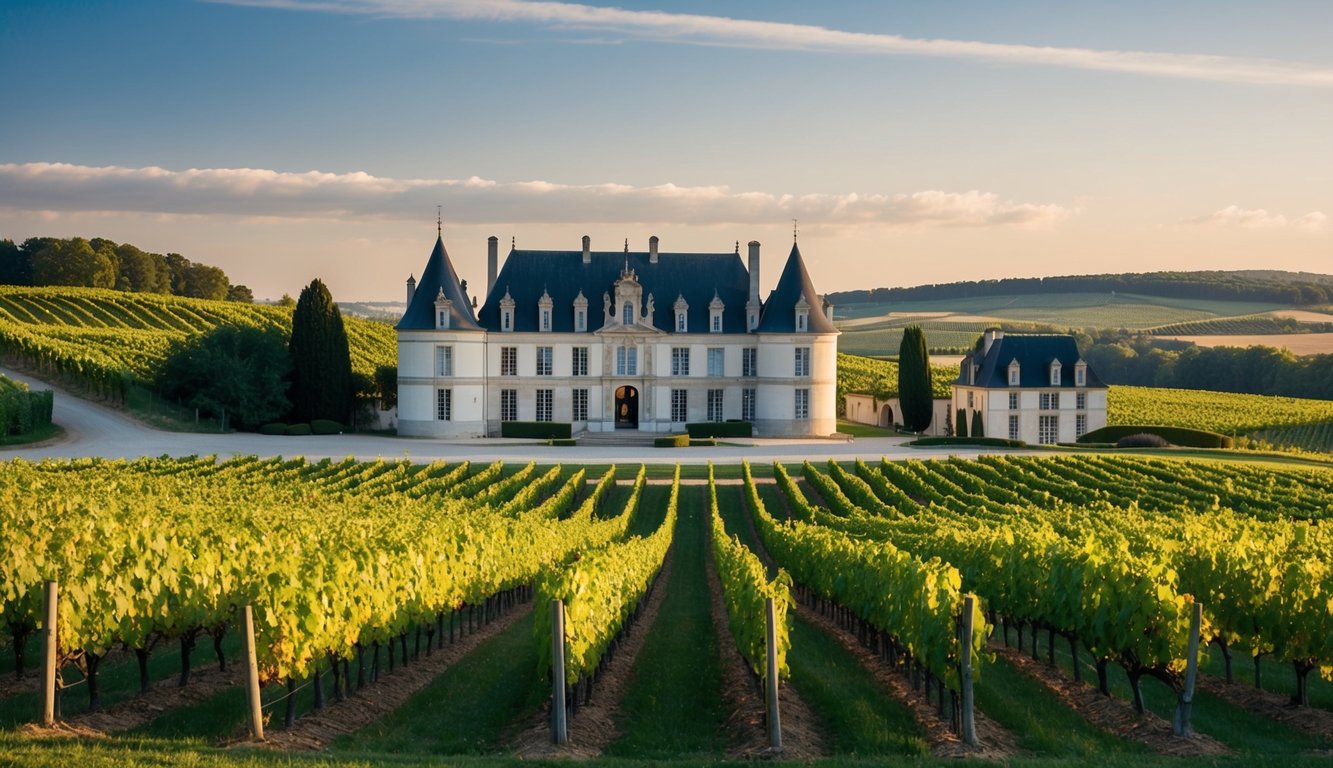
(1031, 387)
(616, 340)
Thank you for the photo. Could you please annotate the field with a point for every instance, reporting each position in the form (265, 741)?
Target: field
(402, 612)
(99, 336)
(876, 329)
(1227, 413)
(1297, 343)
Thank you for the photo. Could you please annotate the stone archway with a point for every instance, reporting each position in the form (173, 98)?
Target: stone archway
(886, 416)
(627, 407)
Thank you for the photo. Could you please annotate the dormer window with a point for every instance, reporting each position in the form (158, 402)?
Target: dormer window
(507, 312)
(802, 315)
(545, 306)
(682, 312)
(1080, 373)
(580, 313)
(1055, 373)
(1013, 373)
(715, 308)
(443, 310)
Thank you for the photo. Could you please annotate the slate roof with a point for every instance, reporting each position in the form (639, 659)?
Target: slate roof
(779, 314)
(1034, 353)
(438, 274)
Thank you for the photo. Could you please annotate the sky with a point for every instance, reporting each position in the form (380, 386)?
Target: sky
(911, 142)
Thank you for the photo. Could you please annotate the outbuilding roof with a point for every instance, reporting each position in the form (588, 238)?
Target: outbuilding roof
(1034, 354)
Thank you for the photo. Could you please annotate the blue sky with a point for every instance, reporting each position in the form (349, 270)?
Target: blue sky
(915, 142)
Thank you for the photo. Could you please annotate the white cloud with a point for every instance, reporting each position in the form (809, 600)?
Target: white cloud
(742, 33)
(1259, 218)
(254, 192)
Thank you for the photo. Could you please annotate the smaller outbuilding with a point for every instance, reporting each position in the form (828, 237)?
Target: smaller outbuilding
(1031, 387)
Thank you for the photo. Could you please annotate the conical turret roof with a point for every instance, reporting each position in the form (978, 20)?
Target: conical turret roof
(779, 315)
(438, 277)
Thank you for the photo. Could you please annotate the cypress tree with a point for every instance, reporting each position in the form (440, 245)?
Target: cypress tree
(961, 423)
(914, 390)
(978, 426)
(321, 363)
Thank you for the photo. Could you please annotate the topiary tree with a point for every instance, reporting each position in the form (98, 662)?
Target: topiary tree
(978, 427)
(321, 364)
(915, 398)
(961, 421)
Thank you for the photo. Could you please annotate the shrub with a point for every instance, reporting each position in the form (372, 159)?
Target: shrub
(298, 430)
(978, 426)
(1142, 440)
(702, 441)
(563, 442)
(326, 427)
(961, 423)
(997, 442)
(672, 441)
(274, 428)
(720, 429)
(1182, 436)
(539, 430)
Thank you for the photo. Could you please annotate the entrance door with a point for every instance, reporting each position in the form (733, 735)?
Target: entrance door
(627, 408)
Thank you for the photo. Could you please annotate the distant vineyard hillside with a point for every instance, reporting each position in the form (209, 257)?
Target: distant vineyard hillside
(1246, 325)
(98, 336)
(1280, 420)
(880, 377)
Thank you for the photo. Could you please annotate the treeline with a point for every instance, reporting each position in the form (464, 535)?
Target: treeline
(1277, 287)
(102, 263)
(1142, 360)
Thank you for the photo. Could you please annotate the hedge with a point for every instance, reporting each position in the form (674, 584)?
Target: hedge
(275, 428)
(720, 429)
(672, 441)
(298, 430)
(562, 442)
(540, 430)
(1182, 436)
(326, 427)
(22, 411)
(996, 442)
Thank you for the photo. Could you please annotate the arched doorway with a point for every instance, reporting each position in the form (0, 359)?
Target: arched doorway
(627, 407)
(886, 416)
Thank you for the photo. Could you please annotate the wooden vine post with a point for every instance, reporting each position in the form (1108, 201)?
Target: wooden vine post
(559, 719)
(771, 683)
(50, 642)
(968, 719)
(1181, 722)
(252, 675)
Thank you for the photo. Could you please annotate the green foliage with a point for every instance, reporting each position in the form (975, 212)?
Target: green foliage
(914, 384)
(960, 423)
(23, 412)
(1222, 412)
(238, 371)
(241, 293)
(74, 262)
(386, 383)
(298, 430)
(1183, 436)
(720, 429)
(978, 425)
(539, 430)
(672, 441)
(15, 264)
(879, 378)
(273, 428)
(321, 362)
(326, 427)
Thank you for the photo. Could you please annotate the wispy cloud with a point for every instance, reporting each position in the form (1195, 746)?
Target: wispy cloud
(268, 193)
(1233, 216)
(699, 29)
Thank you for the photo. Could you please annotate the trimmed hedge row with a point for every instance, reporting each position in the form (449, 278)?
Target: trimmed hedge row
(1182, 436)
(682, 441)
(316, 427)
(540, 430)
(995, 442)
(23, 411)
(720, 429)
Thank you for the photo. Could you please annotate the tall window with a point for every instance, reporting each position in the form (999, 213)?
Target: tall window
(717, 323)
(680, 322)
(579, 366)
(507, 319)
(680, 361)
(802, 361)
(1050, 401)
(1013, 401)
(580, 320)
(802, 405)
(509, 405)
(969, 400)
(1013, 426)
(627, 359)
(715, 358)
(800, 322)
(1081, 401)
(1048, 429)
(627, 314)
(544, 400)
(580, 405)
(546, 319)
(1080, 377)
(1080, 425)
(544, 355)
(508, 361)
(715, 405)
(444, 361)
(750, 361)
(444, 405)
(679, 405)
(747, 404)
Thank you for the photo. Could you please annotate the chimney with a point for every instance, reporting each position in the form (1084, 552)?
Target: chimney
(754, 271)
(988, 338)
(587, 249)
(492, 262)
(411, 288)
(652, 249)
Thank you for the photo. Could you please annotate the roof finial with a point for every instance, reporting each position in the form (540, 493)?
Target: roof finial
(439, 220)
(513, 242)
(794, 230)
(627, 245)
(738, 247)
